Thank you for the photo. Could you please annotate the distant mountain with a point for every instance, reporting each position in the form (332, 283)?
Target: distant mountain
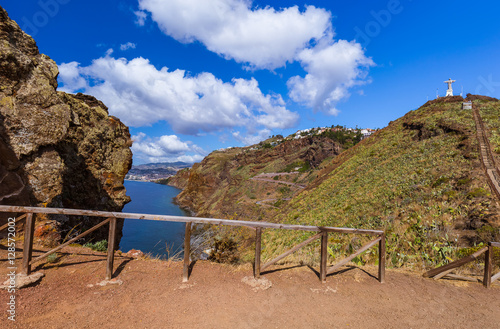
(155, 171)
(163, 165)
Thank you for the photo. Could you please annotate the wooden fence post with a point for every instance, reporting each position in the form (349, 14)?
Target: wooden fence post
(324, 255)
(488, 266)
(258, 248)
(29, 230)
(187, 252)
(111, 248)
(381, 259)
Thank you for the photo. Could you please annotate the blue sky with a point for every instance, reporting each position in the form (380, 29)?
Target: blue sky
(191, 76)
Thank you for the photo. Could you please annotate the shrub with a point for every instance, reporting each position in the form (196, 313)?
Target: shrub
(52, 258)
(98, 246)
(224, 250)
(477, 192)
(301, 166)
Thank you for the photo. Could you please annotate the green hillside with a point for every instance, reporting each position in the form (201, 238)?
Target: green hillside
(420, 179)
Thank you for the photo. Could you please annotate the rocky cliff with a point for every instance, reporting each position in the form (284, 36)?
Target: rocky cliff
(56, 149)
(252, 182)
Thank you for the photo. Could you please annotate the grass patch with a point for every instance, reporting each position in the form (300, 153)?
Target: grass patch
(101, 246)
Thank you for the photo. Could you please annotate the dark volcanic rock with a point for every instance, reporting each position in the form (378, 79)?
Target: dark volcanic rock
(448, 99)
(471, 98)
(56, 149)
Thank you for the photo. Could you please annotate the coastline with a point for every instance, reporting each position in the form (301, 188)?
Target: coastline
(185, 208)
(155, 237)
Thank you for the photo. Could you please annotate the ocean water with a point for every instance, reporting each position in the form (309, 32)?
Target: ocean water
(155, 237)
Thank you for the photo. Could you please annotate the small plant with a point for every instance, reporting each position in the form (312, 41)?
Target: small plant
(224, 251)
(278, 203)
(284, 189)
(440, 180)
(52, 258)
(477, 193)
(98, 246)
(301, 166)
(305, 167)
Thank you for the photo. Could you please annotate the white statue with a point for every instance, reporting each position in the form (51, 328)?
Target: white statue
(449, 92)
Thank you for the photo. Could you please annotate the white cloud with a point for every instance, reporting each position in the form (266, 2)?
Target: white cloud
(70, 74)
(262, 37)
(332, 68)
(140, 17)
(266, 38)
(172, 144)
(167, 148)
(252, 139)
(128, 45)
(140, 95)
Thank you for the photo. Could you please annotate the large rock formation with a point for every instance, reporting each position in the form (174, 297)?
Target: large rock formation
(226, 184)
(56, 149)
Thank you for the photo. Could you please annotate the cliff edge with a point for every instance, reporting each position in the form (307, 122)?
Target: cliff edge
(56, 149)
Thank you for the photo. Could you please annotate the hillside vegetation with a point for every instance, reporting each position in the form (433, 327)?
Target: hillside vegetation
(420, 179)
(251, 183)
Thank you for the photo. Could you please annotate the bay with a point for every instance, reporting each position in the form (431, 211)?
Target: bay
(157, 238)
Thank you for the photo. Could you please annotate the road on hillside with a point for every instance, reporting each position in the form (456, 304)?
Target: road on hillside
(268, 177)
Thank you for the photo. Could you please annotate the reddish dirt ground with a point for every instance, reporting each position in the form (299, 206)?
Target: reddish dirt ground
(153, 296)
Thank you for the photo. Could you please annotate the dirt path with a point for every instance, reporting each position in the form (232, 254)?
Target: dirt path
(269, 178)
(153, 296)
(263, 202)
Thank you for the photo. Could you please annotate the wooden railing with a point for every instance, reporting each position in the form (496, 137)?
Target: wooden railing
(257, 226)
(446, 270)
(487, 159)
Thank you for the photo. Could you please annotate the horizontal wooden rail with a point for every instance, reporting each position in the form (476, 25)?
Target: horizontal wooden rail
(351, 257)
(291, 251)
(257, 226)
(495, 244)
(350, 230)
(199, 220)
